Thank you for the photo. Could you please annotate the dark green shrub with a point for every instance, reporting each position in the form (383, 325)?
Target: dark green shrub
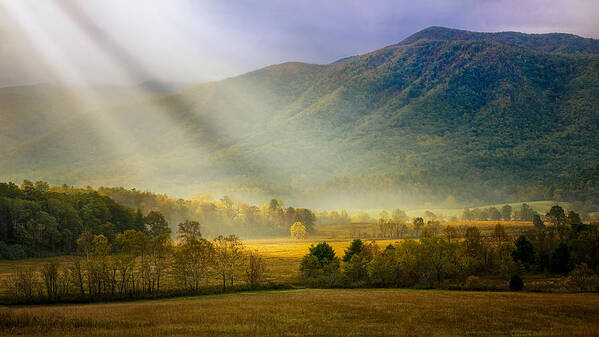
(516, 283)
(560, 259)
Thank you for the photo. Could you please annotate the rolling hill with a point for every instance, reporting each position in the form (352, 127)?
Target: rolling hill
(445, 117)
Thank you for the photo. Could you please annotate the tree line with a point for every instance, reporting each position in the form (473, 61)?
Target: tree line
(506, 213)
(141, 265)
(39, 220)
(562, 246)
(220, 216)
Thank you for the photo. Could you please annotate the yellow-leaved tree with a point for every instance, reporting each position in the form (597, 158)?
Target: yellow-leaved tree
(298, 231)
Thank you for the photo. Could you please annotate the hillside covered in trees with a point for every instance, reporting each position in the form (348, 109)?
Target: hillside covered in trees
(445, 117)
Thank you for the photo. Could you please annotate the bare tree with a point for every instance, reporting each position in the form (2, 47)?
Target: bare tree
(22, 284)
(50, 275)
(191, 261)
(254, 268)
(228, 253)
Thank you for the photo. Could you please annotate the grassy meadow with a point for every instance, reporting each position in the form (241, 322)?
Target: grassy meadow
(312, 312)
(541, 206)
(367, 231)
(282, 258)
(309, 312)
(283, 255)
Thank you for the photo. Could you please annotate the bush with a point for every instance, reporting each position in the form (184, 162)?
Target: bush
(472, 283)
(381, 272)
(524, 252)
(310, 267)
(560, 259)
(22, 285)
(16, 252)
(581, 277)
(516, 283)
(3, 250)
(355, 269)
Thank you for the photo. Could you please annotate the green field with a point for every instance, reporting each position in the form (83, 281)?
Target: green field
(319, 313)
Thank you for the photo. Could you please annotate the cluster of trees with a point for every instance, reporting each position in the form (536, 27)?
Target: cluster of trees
(334, 217)
(560, 247)
(506, 213)
(436, 186)
(395, 225)
(560, 244)
(218, 216)
(39, 220)
(141, 264)
(491, 213)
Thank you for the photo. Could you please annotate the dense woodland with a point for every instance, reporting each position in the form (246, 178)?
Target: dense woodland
(35, 221)
(38, 220)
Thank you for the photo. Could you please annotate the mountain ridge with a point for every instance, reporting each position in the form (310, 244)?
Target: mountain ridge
(420, 121)
(547, 42)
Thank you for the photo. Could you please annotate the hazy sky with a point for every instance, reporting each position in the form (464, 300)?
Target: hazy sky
(195, 41)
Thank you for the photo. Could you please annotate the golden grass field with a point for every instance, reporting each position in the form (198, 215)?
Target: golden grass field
(371, 230)
(310, 312)
(282, 258)
(283, 255)
(364, 312)
(541, 206)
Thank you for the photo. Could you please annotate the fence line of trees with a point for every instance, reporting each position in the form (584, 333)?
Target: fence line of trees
(143, 265)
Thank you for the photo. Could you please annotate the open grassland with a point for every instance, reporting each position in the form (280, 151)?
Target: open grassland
(371, 230)
(541, 206)
(282, 258)
(319, 313)
(282, 255)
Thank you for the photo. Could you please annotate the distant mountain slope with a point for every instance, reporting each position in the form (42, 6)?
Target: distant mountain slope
(552, 42)
(444, 115)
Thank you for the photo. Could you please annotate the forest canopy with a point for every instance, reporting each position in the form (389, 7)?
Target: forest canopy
(39, 220)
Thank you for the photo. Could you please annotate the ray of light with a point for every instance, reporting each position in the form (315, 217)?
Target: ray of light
(135, 69)
(59, 63)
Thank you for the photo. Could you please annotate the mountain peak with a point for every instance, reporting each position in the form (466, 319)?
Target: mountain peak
(549, 42)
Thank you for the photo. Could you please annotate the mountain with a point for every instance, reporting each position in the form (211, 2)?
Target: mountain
(443, 117)
(552, 43)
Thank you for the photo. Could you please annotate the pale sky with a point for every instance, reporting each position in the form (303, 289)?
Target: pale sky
(197, 41)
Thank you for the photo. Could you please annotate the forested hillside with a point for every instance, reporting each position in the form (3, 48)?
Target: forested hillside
(445, 116)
